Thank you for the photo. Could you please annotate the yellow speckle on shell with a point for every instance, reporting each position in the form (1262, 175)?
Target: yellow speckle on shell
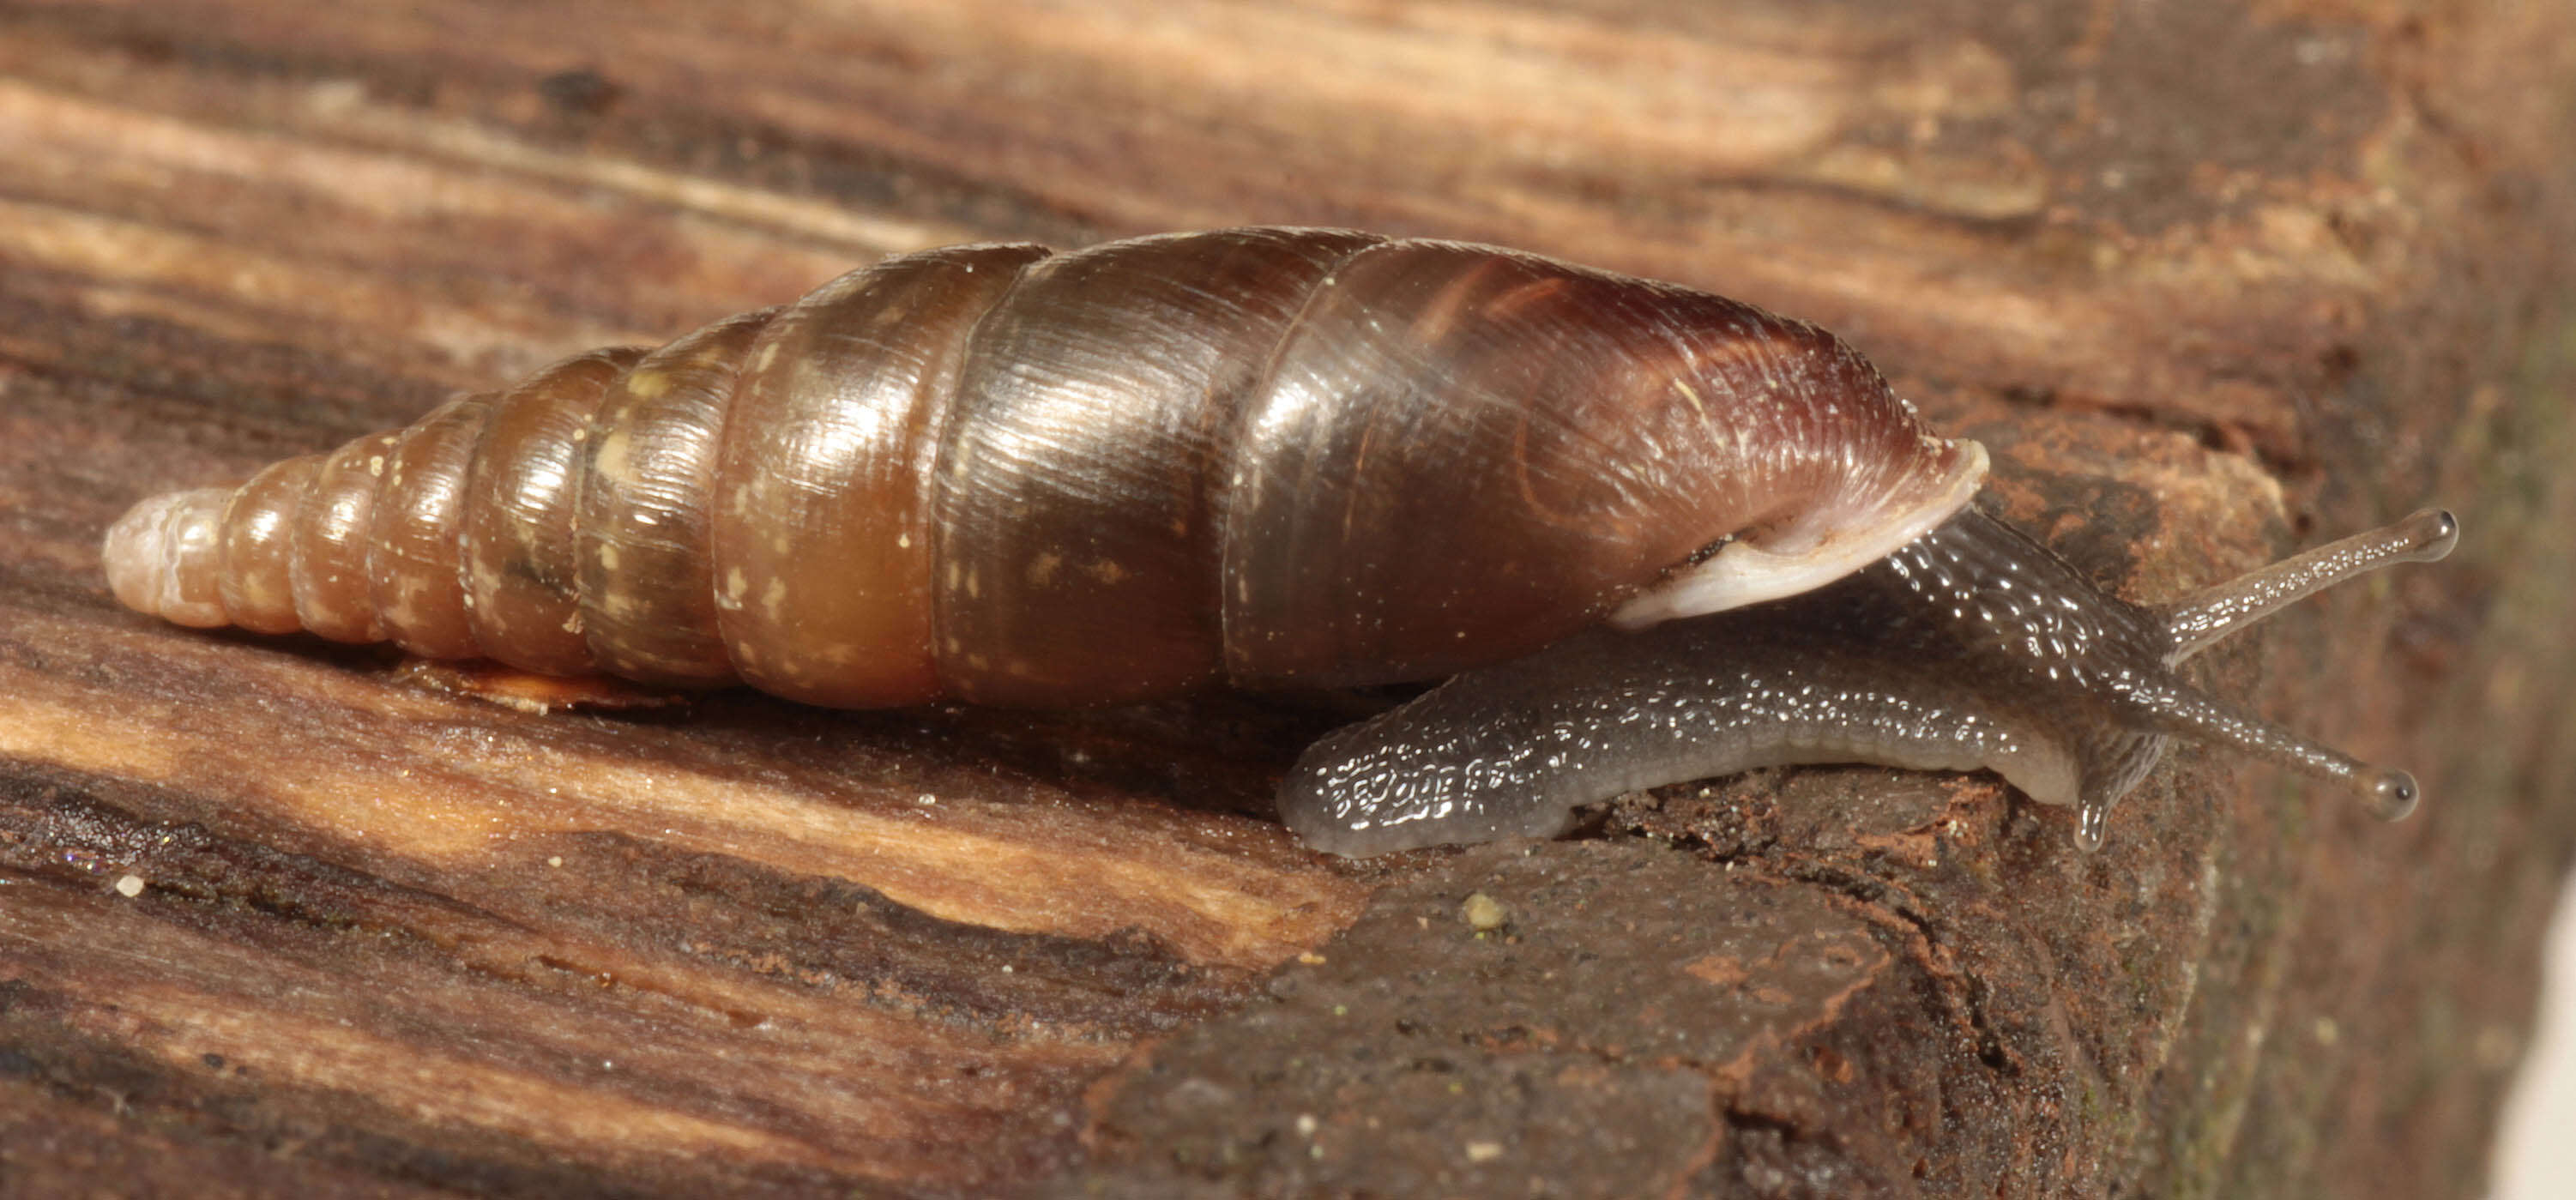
(611, 459)
(648, 385)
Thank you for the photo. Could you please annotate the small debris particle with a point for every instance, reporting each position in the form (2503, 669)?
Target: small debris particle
(1306, 1124)
(554, 860)
(1310, 958)
(1484, 914)
(1478, 1152)
(578, 92)
(129, 886)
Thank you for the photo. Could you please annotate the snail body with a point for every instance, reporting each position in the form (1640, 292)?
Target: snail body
(1270, 458)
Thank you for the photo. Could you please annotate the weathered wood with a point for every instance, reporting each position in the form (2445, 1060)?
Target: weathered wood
(2209, 281)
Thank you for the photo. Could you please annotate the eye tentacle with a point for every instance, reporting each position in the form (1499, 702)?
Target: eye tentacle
(2204, 618)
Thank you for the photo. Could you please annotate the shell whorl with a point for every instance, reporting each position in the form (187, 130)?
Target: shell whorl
(1266, 456)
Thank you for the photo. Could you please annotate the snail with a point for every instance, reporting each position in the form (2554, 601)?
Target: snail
(1645, 534)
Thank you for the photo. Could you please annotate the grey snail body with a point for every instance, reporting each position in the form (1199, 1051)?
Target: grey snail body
(1647, 534)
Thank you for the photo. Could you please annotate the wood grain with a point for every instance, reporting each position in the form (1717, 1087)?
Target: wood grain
(2211, 279)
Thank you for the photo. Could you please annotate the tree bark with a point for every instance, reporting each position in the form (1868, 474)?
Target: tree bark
(2212, 281)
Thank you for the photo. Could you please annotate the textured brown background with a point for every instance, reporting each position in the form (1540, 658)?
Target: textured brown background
(2212, 279)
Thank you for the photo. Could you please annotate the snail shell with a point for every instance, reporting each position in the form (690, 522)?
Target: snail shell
(1264, 457)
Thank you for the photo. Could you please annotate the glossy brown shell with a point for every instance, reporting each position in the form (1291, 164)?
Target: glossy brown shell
(1263, 456)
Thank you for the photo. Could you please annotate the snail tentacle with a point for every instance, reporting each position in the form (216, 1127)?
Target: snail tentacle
(2196, 622)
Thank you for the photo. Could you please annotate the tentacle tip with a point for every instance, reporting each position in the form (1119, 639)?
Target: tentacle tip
(2435, 532)
(2392, 795)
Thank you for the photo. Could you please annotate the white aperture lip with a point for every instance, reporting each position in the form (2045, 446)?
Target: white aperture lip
(1804, 554)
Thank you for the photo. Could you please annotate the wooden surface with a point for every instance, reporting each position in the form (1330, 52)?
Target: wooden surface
(2211, 280)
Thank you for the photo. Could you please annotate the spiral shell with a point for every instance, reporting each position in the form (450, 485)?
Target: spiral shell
(1268, 457)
